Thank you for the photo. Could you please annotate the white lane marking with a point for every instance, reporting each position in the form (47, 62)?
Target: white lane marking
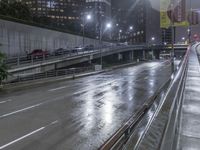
(21, 138)
(56, 89)
(90, 89)
(9, 100)
(54, 122)
(27, 108)
(27, 135)
(20, 110)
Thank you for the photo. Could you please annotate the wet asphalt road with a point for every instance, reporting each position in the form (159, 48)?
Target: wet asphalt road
(78, 114)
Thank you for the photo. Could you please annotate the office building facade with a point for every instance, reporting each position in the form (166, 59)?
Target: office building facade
(100, 11)
(60, 13)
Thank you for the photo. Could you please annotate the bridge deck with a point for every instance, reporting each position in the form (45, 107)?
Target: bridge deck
(189, 133)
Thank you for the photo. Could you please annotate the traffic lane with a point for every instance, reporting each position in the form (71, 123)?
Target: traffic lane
(40, 95)
(79, 111)
(36, 115)
(14, 100)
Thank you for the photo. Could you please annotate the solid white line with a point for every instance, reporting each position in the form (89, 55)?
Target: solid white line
(56, 89)
(21, 138)
(54, 122)
(9, 100)
(14, 112)
(27, 135)
(3, 102)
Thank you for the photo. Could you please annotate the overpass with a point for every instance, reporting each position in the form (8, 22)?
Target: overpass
(129, 52)
(168, 120)
(139, 107)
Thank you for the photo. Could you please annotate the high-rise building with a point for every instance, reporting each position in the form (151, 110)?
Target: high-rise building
(144, 20)
(100, 11)
(129, 17)
(62, 13)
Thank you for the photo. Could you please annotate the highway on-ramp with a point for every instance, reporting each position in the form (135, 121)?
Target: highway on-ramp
(78, 114)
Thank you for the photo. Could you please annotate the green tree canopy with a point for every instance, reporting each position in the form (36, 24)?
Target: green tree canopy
(3, 68)
(15, 9)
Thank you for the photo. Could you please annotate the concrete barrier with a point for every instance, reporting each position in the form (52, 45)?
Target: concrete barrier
(18, 39)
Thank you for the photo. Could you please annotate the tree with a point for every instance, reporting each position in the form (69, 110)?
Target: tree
(20, 10)
(3, 68)
(4, 7)
(15, 9)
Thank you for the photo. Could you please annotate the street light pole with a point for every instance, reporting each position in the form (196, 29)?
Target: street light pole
(88, 17)
(100, 43)
(189, 28)
(152, 42)
(120, 31)
(131, 32)
(84, 32)
(173, 28)
(108, 26)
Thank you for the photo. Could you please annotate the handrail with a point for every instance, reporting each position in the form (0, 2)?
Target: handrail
(169, 139)
(122, 135)
(126, 130)
(23, 60)
(52, 73)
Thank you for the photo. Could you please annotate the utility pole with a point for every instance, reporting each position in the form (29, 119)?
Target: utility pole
(173, 28)
(83, 31)
(189, 28)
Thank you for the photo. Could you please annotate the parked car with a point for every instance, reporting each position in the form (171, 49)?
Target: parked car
(61, 51)
(89, 47)
(77, 49)
(38, 53)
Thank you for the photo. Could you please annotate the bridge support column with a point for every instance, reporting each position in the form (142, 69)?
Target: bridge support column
(120, 56)
(152, 54)
(144, 55)
(131, 55)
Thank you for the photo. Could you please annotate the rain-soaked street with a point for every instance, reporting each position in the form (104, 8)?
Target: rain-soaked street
(78, 114)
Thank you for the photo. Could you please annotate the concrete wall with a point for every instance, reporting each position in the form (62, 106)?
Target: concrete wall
(17, 39)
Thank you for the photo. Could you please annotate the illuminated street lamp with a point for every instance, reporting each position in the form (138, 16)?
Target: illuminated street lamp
(88, 17)
(183, 39)
(108, 25)
(153, 38)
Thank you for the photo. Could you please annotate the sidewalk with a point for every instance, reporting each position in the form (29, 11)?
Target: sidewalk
(189, 131)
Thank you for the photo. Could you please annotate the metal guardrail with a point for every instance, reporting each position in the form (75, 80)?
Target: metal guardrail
(21, 60)
(170, 136)
(24, 60)
(48, 74)
(119, 139)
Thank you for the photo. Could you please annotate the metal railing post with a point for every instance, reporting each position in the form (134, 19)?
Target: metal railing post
(18, 61)
(32, 59)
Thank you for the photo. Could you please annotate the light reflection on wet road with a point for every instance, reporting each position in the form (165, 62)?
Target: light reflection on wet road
(77, 114)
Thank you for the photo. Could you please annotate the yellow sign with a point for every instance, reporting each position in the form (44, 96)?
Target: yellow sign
(172, 13)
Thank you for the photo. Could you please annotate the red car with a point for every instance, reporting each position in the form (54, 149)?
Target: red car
(38, 53)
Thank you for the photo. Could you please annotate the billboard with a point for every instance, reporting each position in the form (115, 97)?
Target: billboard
(193, 17)
(173, 13)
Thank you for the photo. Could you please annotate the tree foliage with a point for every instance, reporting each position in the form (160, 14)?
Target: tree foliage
(15, 9)
(3, 68)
